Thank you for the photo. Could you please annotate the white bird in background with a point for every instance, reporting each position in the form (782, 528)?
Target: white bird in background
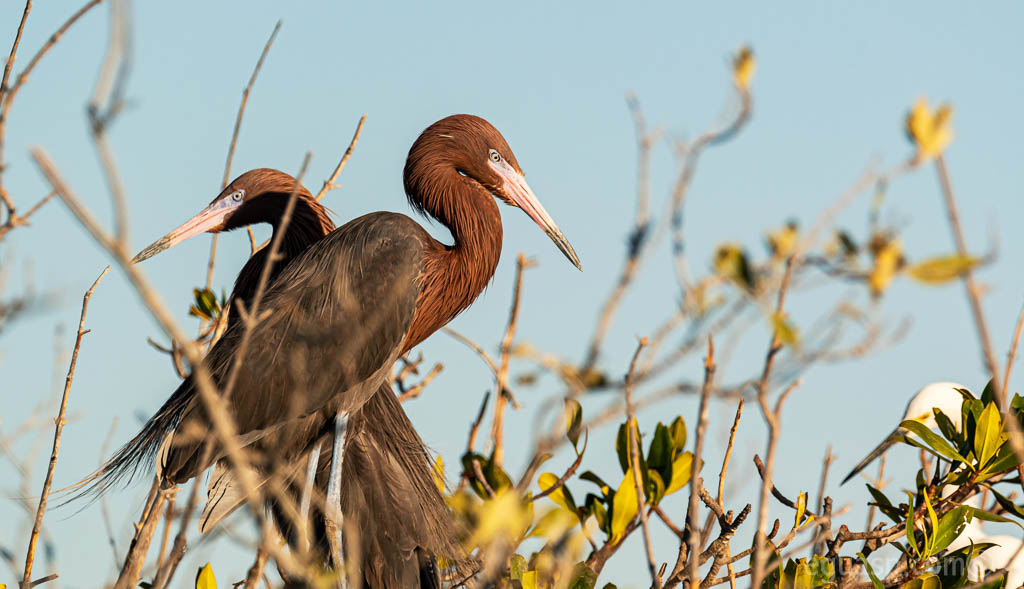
(939, 395)
(1006, 552)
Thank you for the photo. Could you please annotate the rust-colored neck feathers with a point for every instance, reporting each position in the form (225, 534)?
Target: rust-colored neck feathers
(446, 177)
(266, 196)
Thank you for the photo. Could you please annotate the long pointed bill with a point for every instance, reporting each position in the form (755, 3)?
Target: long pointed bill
(519, 191)
(212, 217)
(896, 435)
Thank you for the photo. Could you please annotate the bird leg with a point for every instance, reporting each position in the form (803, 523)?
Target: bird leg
(334, 517)
(307, 494)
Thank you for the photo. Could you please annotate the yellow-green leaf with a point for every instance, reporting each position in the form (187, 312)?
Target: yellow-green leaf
(925, 581)
(546, 481)
(439, 474)
(553, 524)
(205, 578)
(942, 269)
(783, 241)
(530, 580)
(987, 434)
(887, 262)
(681, 468)
(743, 66)
(801, 509)
(788, 333)
(624, 507)
(931, 131)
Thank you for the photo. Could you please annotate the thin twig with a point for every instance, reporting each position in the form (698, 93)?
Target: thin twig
(638, 237)
(7, 94)
(476, 423)
(475, 347)
(58, 430)
(223, 425)
(136, 557)
(771, 418)
(633, 432)
(415, 390)
(693, 521)
(502, 396)
(973, 295)
(256, 570)
(329, 184)
(14, 50)
(231, 149)
(728, 449)
(1012, 355)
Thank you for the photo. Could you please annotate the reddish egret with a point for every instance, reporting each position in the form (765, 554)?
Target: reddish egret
(342, 307)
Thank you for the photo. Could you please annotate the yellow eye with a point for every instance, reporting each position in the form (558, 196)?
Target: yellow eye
(495, 156)
(238, 195)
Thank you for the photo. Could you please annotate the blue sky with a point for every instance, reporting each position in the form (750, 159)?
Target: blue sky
(832, 86)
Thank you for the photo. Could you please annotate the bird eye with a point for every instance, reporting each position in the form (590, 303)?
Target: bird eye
(237, 195)
(495, 156)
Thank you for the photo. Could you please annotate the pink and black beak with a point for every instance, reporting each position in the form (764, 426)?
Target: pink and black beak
(519, 192)
(211, 219)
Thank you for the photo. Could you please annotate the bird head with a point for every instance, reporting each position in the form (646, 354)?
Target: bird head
(943, 396)
(464, 150)
(253, 197)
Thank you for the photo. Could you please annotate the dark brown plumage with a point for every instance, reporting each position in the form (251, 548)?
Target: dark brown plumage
(341, 307)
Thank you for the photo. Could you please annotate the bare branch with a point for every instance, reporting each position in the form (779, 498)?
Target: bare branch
(58, 430)
(231, 149)
(503, 395)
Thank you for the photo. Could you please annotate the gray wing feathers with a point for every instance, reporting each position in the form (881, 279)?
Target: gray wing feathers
(333, 322)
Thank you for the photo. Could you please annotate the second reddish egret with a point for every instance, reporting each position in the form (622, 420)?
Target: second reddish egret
(342, 307)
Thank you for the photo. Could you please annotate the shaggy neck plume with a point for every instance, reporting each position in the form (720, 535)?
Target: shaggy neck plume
(453, 275)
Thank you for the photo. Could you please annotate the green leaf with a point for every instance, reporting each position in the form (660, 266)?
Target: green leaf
(942, 269)
(925, 581)
(205, 578)
(823, 571)
(678, 431)
(871, 572)
(938, 444)
(596, 508)
(929, 539)
(945, 425)
(988, 434)
(953, 566)
(1005, 503)
(573, 420)
(561, 495)
(661, 453)
(622, 447)
(908, 524)
(593, 478)
(988, 394)
(950, 527)
(516, 567)
(1005, 459)
(884, 505)
(624, 507)
(1017, 402)
(654, 487)
(583, 577)
(681, 471)
(496, 477)
(787, 332)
